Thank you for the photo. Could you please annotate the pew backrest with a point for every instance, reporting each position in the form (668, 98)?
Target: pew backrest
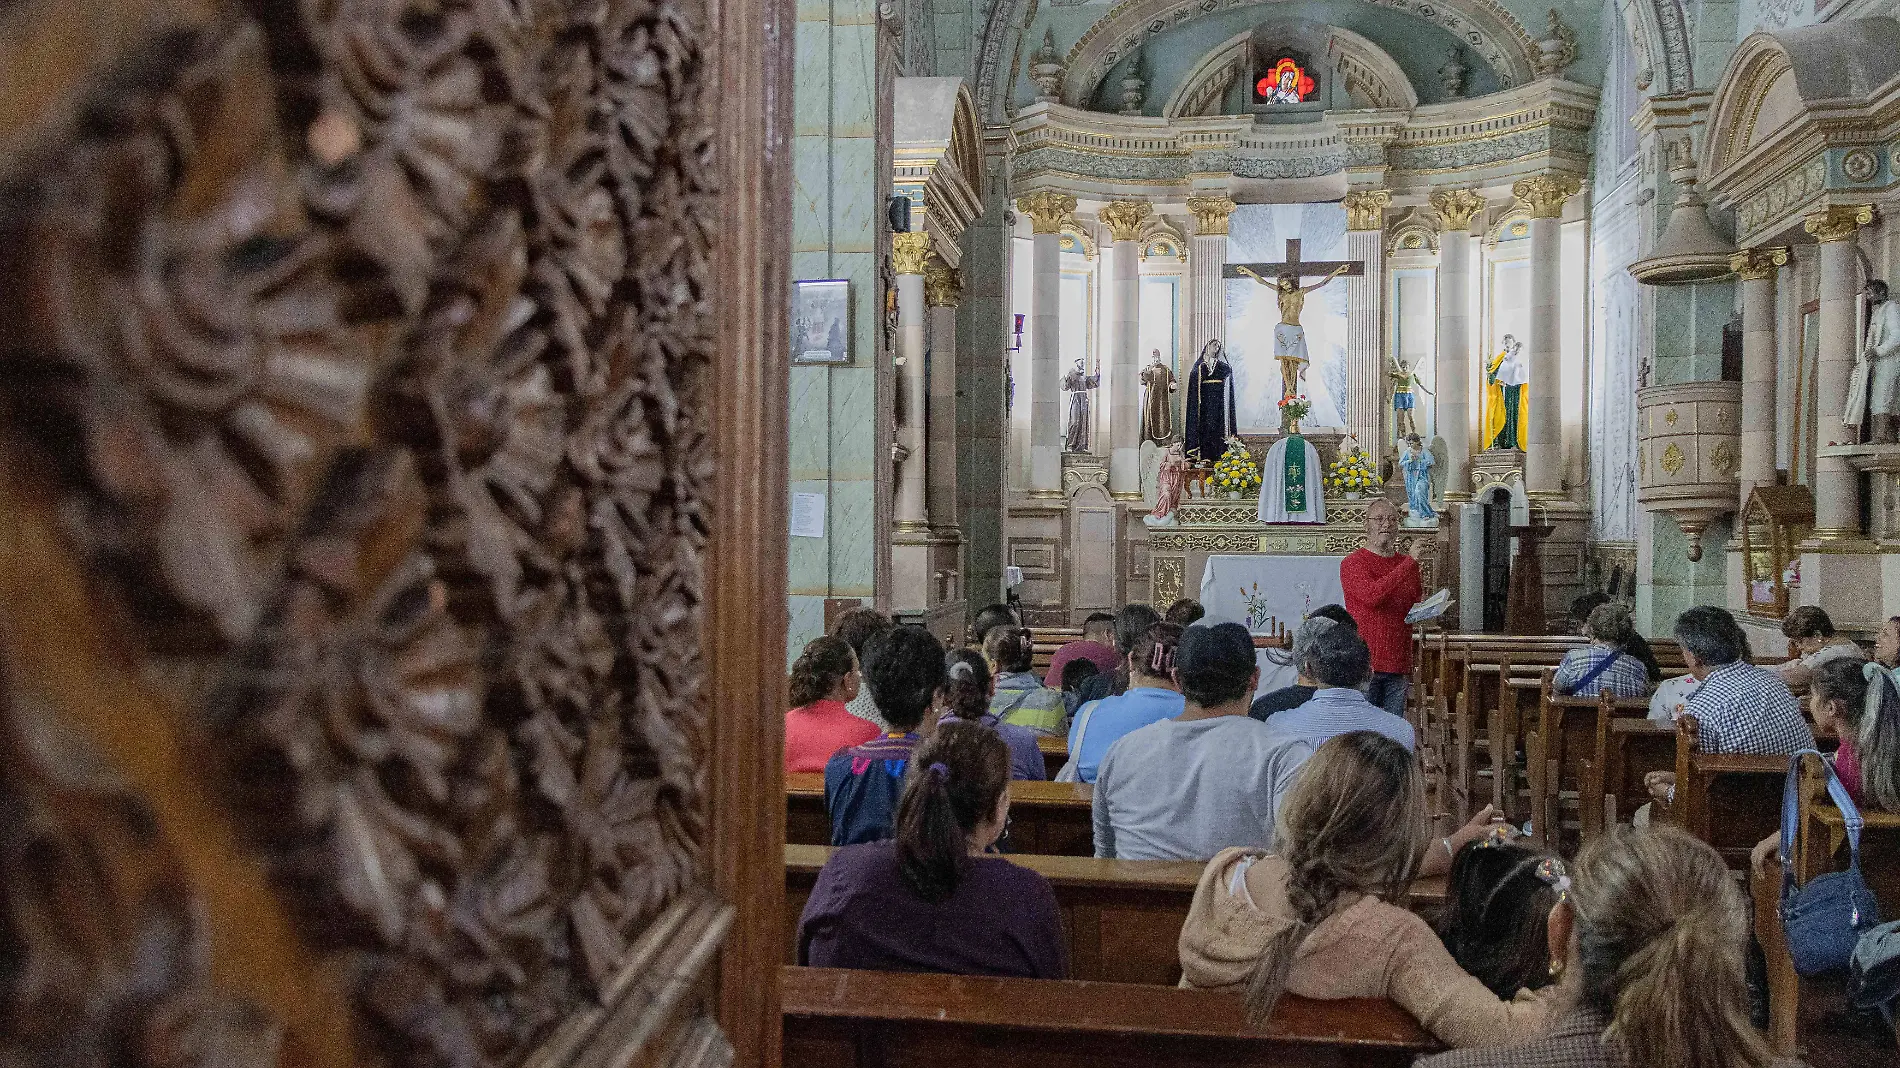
(845, 1019)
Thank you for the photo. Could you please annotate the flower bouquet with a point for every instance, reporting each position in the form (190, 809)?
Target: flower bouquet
(1292, 410)
(1235, 473)
(1352, 475)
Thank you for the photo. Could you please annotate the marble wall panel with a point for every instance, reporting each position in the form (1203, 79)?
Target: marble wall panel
(852, 524)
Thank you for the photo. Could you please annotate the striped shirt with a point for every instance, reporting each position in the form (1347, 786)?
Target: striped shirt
(1747, 709)
(1627, 677)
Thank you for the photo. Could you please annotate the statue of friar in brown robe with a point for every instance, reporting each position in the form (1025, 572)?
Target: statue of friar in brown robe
(1157, 403)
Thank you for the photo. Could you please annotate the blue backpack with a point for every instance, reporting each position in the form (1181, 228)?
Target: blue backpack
(1824, 919)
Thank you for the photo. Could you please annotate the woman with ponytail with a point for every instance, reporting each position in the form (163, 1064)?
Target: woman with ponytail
(1858, 703)
(1324, 915)
(932, 899)
(824, 681)
(967, 687)
(1649, 944)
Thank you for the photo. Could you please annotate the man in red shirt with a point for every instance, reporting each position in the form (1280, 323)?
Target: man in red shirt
(1382, 584)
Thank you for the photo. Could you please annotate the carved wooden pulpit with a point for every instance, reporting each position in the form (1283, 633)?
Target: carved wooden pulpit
(382, 383)
(1525, 612)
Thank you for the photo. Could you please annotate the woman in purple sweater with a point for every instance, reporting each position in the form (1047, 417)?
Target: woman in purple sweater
(931, 900)
(967, 689)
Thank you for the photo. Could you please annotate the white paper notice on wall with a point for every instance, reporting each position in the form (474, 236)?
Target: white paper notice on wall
(808, 515)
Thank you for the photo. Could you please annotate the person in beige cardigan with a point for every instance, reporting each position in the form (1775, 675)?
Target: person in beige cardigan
(1322, 917)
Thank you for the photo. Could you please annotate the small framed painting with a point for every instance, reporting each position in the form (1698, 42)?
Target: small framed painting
(821, 321)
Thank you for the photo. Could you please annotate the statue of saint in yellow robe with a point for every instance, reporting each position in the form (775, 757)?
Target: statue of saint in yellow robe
(1506, 398)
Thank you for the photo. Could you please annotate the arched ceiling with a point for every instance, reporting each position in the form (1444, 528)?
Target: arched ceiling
(1010, 31)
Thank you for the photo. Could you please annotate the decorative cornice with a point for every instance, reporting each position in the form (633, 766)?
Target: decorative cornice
(943, 284)
(1365, 209)
(1839, 223)
(1455, 207)
(1047, 210)
(1755, 264)
(1124, 218)
(1543, 195)
(909, 251)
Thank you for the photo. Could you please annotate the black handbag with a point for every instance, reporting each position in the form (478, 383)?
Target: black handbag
(1823, 920)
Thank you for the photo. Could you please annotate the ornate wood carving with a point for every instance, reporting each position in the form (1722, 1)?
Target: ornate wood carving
(359, 352)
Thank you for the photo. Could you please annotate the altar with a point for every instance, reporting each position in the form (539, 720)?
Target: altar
(1260, 592)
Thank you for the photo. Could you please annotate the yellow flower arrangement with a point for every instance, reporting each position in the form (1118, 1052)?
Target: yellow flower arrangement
(1352, 473)
(1236, 471)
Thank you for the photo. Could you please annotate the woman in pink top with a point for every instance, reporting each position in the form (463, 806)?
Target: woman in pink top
(824, 680)
(1324, 917)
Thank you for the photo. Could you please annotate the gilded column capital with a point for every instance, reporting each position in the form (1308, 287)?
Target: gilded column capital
(1046, 209)
(943, 284)
(1839, 223)
(1455, 207)
(1124, 218)
(909, 251)
(1543, 195)
(1210, 214)
(1365, 209)
(1755, 264)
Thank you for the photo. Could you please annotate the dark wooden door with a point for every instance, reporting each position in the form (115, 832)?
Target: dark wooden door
(1497, 561)
(382, 382)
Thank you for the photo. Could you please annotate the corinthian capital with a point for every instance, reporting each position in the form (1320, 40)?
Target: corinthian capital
(1210, 214)
(1755, 264)
(909, 251)
(1124, 218)
(1543, 195)
(1046, 209)
(1365, 209)
(943, 284)
(1455, 207)
(1840, 222)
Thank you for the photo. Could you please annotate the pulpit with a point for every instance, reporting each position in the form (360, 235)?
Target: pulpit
(1525, 612)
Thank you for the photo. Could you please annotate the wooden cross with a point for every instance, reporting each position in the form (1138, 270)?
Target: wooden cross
(1295, 267)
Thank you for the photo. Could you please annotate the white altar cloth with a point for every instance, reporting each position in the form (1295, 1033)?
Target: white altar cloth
(1257, 591)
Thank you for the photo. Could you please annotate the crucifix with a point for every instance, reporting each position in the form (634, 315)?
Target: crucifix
(1289, 338)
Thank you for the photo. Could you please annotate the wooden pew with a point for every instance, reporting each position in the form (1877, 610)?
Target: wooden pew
(1121, 918)
(1055, 753)
(1052, 818)
(845, 1019)
(1820, 846)
(1043, 643)
(1727, 800)
(1631, 747)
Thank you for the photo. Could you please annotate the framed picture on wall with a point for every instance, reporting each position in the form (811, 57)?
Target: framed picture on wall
(821, 321)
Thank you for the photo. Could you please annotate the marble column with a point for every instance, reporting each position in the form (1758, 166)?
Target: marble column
(1366, 395)
(1046, 211)
(1836, 484)
(1543, 197)
(910, 509)
(1757, 268)
(1207, 290)
(943, 291)
(1453, 360)
(1124, 219)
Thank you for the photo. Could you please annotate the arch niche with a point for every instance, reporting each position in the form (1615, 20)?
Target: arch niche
(1366, 75)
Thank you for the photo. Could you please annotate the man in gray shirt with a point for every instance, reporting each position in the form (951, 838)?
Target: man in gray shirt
(1187, 788)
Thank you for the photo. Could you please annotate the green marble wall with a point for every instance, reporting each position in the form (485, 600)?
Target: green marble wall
(836, 230)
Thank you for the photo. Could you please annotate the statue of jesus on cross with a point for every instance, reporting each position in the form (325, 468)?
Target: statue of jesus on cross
(1289, 338)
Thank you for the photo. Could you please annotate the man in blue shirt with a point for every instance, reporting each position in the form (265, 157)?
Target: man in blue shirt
(1338, 661)
(1152, 696)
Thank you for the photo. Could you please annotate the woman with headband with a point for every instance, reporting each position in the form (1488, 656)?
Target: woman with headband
(933, 899)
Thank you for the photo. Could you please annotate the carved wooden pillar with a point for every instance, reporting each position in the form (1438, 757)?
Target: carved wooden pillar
(1758, 268)
(1046, 211)
(1124, 219)
(1207, 290)
(1366, 393)
(1543, 198)
(1455, 209)
(1836, 484)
